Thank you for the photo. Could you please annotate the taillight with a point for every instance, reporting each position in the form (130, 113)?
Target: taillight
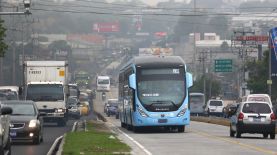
(240, 117)
(272, 117)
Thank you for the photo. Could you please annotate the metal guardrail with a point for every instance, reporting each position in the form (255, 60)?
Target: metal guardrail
(55, 146)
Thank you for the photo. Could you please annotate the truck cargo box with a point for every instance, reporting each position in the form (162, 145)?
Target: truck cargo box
(46, 71)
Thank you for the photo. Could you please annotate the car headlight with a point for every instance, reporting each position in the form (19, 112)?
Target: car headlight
(141, 112)
(33, 123)
(60, 110)
(183, 111)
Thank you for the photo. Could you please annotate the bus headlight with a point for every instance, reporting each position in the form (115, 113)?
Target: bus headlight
(141, 112)
(32, 123)
(183, 111)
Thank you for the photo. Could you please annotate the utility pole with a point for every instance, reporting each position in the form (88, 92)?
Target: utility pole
(210, 75)
(1, 58)
(194, 42)
(202, 59)
(239, 41)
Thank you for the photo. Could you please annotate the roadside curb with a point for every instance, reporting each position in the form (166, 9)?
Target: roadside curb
(55, 146)
(211, 120)
(100, 116)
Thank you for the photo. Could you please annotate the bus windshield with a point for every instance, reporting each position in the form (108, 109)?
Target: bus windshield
(162, 87)
(45, 92)
(198, 99)
(103, 81)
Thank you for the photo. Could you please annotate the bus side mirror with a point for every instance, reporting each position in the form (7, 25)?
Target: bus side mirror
(189, 80)
(132, 81)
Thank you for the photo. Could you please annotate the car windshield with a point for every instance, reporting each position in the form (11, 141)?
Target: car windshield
(103, 81)
(72, 101)
(22, 109)
(83, 98)
(256, 108)
(112, 103)
(259, 99)
(197, 99)
(73, 92)
(216, 103)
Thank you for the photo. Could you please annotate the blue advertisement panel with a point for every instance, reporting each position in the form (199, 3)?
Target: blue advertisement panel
(273, 46)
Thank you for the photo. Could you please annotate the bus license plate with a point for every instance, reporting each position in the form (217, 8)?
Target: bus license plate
(162, 120)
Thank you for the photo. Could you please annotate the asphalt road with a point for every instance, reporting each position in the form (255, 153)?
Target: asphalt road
(51, 132)
(199, 138)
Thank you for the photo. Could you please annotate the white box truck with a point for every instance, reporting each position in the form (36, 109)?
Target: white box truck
(46, 83)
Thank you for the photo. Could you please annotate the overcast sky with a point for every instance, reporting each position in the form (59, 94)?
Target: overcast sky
(154, 2)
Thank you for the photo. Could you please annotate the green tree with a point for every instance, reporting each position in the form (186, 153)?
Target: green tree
(198, 87)
(3, 45)
(258, 75)
(60, 45)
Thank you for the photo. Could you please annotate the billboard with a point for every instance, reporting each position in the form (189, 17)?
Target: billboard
(88, 38)
(106, 27)
(155, 51)
(273, 49)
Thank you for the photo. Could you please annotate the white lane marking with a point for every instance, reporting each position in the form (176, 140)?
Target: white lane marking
(132, 139)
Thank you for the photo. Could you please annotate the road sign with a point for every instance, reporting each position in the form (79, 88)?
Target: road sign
(223, 65)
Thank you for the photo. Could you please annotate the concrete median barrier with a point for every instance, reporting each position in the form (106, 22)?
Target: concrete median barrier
(214, 120)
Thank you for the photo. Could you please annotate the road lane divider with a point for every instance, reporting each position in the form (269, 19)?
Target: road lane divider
(214, 120)
(74, 127)
(251, 147)
(55, 146)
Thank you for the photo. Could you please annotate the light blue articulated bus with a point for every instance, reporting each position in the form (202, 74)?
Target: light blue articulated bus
(153, 92)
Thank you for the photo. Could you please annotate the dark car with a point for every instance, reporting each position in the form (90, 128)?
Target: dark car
(73, 108)
(26, 122)
(111, 107)
(230, 109)
(74, 90)
(5, 139)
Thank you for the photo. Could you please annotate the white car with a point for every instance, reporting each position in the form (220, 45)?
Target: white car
(253, 117)
(214, 107)
(257, 98)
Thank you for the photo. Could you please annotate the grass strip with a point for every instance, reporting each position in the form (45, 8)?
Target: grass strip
(98, 140)
(213, 120)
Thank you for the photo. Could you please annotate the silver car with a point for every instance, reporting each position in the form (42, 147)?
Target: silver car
(253, 117)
